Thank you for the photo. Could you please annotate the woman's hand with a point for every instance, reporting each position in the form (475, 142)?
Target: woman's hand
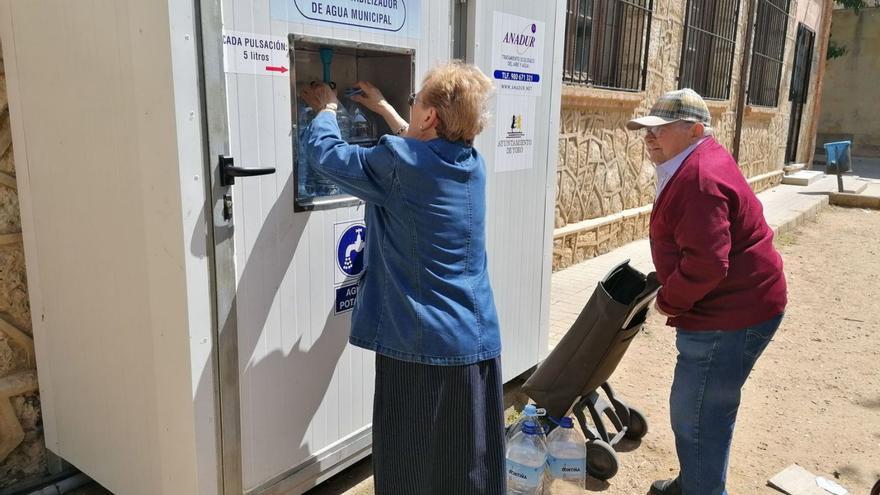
(370, 97)
(318, 95)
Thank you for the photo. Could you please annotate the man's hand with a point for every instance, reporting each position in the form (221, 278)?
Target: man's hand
(660, 310)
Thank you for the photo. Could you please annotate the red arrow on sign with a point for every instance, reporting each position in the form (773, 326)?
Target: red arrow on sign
(276, 69)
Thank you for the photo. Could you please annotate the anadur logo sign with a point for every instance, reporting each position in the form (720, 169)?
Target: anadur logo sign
(518, 53)
(523, 41)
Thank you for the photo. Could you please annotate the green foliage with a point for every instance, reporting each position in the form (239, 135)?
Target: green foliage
(836, 50)
(853, 4)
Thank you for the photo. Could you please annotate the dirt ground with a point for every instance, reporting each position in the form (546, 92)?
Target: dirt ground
(814, 396)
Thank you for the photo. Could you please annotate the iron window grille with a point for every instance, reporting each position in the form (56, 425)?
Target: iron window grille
(606, 43)
(765, 75)
(708, 49)
(800, 86)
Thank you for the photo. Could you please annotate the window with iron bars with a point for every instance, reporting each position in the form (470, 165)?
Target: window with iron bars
(606, 43)
(708, 47)
(768, 48)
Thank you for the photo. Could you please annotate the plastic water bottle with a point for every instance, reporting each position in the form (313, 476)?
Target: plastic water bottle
(530, 413)
(304, 120)
(526, 456)
(566, 460)
(343, 120)
(311, 183)
(361, 127)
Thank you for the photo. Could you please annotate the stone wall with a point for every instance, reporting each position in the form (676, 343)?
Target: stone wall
(22, 451)
(605, 184)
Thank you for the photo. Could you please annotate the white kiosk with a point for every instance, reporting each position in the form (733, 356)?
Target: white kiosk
(190, 281)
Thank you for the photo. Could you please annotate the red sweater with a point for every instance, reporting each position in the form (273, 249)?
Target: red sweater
(712, 248)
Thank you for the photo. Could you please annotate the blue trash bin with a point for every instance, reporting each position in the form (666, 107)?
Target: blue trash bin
(838, 156)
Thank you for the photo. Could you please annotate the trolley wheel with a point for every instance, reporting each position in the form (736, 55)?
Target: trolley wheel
(601, 460)
(638, 425)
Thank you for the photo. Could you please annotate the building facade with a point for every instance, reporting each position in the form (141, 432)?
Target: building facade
(623, 54)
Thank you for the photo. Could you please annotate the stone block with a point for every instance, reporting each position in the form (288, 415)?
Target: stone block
(10, 219)
(13, 287)
(802, 177)
(28, 460)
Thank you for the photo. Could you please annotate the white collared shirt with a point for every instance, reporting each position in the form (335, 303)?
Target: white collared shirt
(667, 169)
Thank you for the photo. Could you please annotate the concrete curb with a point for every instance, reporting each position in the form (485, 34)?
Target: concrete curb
(855, 200)
(803, 216)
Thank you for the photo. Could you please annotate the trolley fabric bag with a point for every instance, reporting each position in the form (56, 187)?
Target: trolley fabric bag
(594, 345)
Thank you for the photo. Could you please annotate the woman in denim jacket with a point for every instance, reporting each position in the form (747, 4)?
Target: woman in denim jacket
(424, 303)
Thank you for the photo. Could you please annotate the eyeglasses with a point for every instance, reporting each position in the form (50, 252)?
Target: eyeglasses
(656, 130)
(412, 99)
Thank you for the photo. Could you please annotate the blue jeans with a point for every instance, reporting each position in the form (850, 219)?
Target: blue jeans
(711, 370)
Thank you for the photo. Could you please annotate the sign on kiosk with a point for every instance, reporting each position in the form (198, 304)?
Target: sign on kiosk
(251, 53)
(391, 16)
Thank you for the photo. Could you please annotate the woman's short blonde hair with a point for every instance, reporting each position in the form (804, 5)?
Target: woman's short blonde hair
(459, 93)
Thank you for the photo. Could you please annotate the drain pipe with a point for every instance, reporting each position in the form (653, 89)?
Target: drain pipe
(64, 486)
(743, 79)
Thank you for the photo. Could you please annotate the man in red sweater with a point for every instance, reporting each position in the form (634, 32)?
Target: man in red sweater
(723, 286)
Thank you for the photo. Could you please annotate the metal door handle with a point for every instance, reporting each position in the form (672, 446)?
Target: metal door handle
(228, 171)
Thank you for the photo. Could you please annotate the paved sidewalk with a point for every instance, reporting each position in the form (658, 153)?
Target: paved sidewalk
(786, 207)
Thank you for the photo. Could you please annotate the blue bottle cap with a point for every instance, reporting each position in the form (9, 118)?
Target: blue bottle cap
(566, 422)
(531, 428)
(530, 410)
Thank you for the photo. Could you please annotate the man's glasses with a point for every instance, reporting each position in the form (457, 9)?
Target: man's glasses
(653, 130)
(656, 130)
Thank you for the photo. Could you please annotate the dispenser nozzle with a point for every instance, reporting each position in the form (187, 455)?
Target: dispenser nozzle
(326, 59)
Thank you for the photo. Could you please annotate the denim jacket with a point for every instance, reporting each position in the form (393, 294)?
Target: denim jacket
(425, 295)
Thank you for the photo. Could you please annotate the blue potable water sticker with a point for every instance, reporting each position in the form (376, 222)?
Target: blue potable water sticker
(526, 476)
(566, 468)
(345, 298)
(351, 242)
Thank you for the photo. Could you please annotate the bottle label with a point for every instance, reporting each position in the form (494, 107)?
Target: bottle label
(526, 476)
(566, 468)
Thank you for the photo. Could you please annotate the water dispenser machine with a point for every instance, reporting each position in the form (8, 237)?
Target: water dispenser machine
(341, 64)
